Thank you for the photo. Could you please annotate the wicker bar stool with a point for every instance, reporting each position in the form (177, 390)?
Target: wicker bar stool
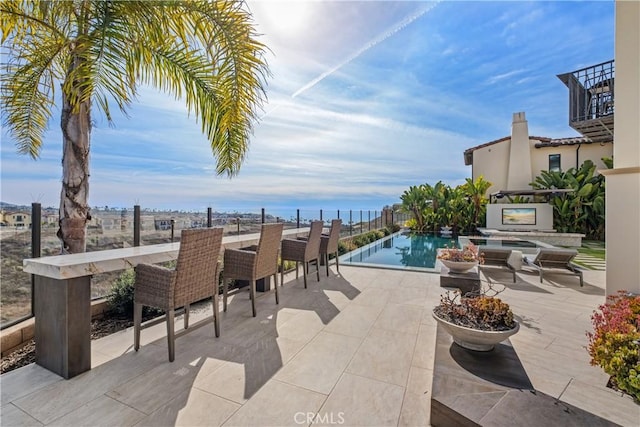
(329, 244)
(253, 263)
(194, 278)
(303, 250)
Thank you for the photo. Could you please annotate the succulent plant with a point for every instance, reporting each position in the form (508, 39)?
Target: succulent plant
(481, 312)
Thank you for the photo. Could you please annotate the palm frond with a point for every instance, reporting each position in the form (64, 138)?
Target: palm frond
(205, 52)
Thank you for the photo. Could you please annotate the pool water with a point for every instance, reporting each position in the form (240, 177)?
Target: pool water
(400, 250)
(505, 243)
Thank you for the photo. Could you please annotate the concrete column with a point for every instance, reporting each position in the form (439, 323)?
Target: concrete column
(519, 175)
(623, 182)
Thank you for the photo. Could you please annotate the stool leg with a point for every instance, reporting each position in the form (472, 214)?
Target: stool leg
(137, 320)
(171, 338)
(253, 297)
(216, 313)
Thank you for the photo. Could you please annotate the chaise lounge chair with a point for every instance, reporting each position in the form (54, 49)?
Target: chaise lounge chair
(496, 257)
(554, 260)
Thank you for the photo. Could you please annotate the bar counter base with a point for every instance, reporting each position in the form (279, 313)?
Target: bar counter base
(62, 310)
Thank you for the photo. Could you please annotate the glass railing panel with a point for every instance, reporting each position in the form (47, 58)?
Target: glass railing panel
(15, 285)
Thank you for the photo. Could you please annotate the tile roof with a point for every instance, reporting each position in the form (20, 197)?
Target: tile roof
(544, 142)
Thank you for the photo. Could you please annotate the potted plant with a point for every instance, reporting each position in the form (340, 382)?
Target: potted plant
(614, 345)
(476, 322)
(460, 260)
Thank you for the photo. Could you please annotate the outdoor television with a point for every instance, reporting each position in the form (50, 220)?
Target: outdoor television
(518, 216)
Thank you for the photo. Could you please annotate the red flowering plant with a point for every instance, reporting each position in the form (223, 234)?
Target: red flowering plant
(614, 345)
(469, 253)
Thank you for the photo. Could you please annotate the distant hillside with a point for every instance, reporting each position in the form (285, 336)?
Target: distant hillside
(5, 205)
(14, 207)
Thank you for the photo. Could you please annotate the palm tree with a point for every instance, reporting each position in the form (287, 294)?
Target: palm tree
(99, 52)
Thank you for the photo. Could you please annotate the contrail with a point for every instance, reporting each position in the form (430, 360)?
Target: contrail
(408, 20)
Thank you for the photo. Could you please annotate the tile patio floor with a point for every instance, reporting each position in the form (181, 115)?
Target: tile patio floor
(354, 349)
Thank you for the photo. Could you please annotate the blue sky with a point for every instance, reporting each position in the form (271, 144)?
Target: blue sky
(366, 99)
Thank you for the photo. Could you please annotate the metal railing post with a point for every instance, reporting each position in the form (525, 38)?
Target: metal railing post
(36, 243)
(173, 226)
(375, 218)
(262, 215)
(338, 213)
(297, 218)
(369, 221)
(361, 220)
(209, 218)
(238, 222)
(136, 225)
(320, 214)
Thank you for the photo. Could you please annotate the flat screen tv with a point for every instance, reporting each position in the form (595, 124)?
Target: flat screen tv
(518, 216)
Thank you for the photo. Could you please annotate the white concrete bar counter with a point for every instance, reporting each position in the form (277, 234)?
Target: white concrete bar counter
(62, 296)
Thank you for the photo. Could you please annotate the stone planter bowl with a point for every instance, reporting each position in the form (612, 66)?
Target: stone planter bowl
(475, 339)
(459, 266)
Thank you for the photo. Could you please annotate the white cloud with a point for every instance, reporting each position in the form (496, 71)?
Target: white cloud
(504, 76)
(386, 96)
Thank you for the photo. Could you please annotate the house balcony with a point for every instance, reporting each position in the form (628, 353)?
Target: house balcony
(591, 100)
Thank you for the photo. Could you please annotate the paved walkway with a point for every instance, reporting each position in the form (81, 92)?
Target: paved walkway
(354, 349)
(591, 262)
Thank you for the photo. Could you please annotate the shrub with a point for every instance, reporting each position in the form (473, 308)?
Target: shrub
(361, 240)
(345, 246)
(288, 264)
(350, 244)
(413, 225)
(614, 345)
(120, 300)
(392, 228)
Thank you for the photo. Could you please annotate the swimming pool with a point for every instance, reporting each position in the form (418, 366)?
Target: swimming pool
(400, 250)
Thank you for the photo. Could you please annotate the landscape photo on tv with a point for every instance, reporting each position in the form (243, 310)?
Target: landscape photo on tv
(518, 216)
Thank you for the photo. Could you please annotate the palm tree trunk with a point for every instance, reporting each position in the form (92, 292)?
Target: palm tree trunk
(74, 209)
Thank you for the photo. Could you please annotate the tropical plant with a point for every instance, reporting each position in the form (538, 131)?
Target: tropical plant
(415, 202)
(614, 344)
(457, 210)
(432, 207)
(100, 52)
(476, 191)
(437, 200)
(519, 199)
(583, 209)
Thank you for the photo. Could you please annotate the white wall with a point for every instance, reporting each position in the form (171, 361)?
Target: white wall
(544, 216)
(491, 162)
(593, 152)
(623, 182)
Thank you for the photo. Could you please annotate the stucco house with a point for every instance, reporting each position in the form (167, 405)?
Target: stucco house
(17, 219)
(512, 162)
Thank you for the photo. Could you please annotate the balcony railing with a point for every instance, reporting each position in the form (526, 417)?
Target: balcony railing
(118, 228)
(591, 100)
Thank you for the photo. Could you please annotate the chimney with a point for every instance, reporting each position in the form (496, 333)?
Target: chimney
(519, 173)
